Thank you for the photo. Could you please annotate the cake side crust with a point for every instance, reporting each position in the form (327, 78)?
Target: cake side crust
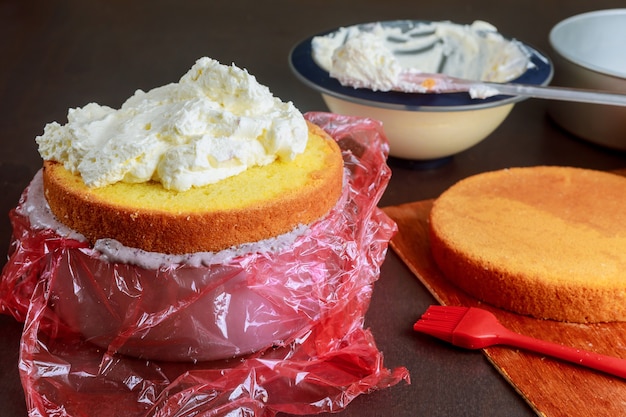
(549, 242)
(260, 203)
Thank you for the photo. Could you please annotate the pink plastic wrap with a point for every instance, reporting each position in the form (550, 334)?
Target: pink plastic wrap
(109, 338)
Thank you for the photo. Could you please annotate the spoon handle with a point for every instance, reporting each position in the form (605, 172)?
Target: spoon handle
(418, 82)
(559, 93)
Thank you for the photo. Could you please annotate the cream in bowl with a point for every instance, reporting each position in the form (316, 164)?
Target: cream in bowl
(418, 126)
(378, 53)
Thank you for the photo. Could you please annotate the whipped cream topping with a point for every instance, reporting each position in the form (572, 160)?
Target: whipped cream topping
(216, 122)
(374, 55)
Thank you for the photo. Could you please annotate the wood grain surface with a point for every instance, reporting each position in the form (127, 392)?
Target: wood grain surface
(552, 388)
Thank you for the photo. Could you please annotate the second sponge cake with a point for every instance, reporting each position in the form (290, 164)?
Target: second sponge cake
(549, 242)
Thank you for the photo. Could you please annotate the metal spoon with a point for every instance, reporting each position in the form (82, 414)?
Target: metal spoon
(419, 82)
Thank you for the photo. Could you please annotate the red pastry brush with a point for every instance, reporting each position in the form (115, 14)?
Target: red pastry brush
(474, 328)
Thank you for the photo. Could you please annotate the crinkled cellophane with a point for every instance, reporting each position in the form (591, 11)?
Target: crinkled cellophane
(108, 339)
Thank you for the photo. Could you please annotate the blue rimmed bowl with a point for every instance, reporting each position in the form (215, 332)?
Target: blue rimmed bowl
(419, 127)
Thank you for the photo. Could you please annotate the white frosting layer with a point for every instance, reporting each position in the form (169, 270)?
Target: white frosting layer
(216, 122)
(374, 55)
(35, 207)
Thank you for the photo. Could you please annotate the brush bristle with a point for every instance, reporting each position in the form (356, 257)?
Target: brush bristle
(440, 321)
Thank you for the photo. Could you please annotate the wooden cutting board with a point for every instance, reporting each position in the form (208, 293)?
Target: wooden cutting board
(551, 387)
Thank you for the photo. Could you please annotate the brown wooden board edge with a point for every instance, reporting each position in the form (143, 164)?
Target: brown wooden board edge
(550, 387)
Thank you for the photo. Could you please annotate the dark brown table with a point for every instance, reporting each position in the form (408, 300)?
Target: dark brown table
(66, 53)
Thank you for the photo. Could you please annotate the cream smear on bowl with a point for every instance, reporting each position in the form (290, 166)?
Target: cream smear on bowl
(376, 54)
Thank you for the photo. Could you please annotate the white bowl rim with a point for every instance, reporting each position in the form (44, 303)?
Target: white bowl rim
(576, 60)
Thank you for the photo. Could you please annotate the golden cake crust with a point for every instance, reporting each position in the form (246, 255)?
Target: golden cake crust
(549, 242)
(260, 203)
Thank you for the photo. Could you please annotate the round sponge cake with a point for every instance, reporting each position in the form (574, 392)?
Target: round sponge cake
(549, 242)
(260, 203)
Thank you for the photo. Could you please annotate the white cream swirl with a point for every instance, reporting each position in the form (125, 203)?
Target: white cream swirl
(216, 122)
(374, 55)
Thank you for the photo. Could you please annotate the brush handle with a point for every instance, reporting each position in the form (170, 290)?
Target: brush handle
(604, 363)
(559, 93)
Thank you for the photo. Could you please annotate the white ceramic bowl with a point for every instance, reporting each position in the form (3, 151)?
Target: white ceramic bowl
(590, 52)
(419, 127)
